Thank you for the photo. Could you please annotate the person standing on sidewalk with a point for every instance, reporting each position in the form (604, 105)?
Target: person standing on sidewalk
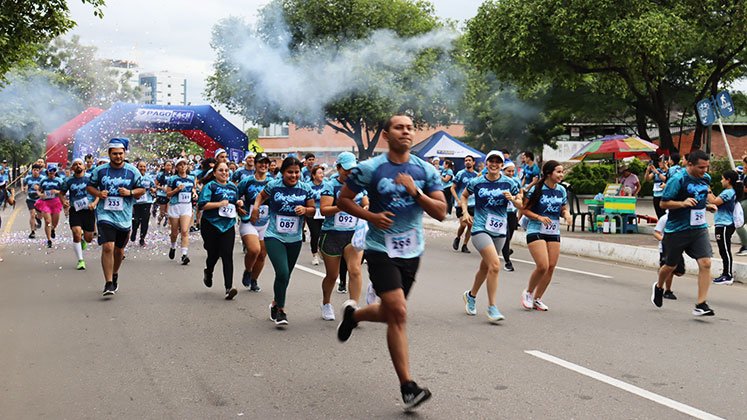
(401, 186)
(724, 221)
(461, 180)
(658, 175)
(742, 231)
(685, 196)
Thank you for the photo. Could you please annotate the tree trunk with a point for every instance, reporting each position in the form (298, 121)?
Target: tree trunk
(641, 123)
(697, 136)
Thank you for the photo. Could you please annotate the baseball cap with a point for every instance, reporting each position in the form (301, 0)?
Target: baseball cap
(262, 157)
(346, 160)
(494, 153)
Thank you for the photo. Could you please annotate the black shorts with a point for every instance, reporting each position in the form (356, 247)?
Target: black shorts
(333, 242)
(531, 237)
(460, 213)
(86, 219)
(391, 273)
(30, 204)
(162, 200)
(679, 270)
(694, 242)
(108, 233)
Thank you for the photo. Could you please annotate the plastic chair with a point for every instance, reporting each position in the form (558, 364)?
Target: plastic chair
(575, 208)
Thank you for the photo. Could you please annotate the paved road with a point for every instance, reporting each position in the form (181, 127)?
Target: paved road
(167, 347)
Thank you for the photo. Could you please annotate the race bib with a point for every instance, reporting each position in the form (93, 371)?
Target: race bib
(400, 245)
(142, 199)
(697, 217)
(228, 211)
(658, 186)
(287, 224)
(264, 211)
(114, 204)
(345, 221)
(318, 214)
(185, 197)
(49, 195)
(496, 224)
(552, 229)
(81, 204)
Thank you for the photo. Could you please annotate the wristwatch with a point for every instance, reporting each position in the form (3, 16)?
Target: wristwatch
(418, 193)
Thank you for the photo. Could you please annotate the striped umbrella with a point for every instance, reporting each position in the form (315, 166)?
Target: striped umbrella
(615, 147)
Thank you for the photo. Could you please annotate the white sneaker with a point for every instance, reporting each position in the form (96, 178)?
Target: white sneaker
(538, 305)
(370, 294)
(328, 312)
(315, 260)
(527, 300)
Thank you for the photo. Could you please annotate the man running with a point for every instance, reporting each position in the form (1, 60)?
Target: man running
(246, 171)
(461, 179)
(117, 185)
(685, 196)
(82, 205)
(29, 186)
(401, 186)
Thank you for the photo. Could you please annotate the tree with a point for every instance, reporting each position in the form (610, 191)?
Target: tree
(26, 26)
(657, 57)
(162, 145)
(339, 37)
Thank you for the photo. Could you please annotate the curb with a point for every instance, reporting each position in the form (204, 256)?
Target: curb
(608, 251)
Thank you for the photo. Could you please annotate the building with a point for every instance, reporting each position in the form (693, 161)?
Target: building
(129, 72)
(164, 88)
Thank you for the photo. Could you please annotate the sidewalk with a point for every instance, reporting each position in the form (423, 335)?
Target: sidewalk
(639, 249)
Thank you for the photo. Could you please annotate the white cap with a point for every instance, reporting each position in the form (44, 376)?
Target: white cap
(436, 159)
(78, 160)
(180, 160)
(494, 153)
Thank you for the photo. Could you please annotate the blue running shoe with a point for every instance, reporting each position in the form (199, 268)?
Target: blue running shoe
(469, 303)
(494, 315)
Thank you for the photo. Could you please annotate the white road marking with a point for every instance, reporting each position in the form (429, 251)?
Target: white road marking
(568, 269)
(683, 408)
(308, 270)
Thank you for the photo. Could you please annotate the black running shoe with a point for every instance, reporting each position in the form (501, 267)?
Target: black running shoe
(38, 223)
(348, 324)
(702, 309)
(231, 293)
(32, 235)
(413, 395)
(172, 253)
(281, 318)
(669, 295)
(246, 279)
(185, 260)
(115, 282)
(133, 236)
(54, 234)
(509, 266)
(342, 288)
(207, 278)
(255, 287)
(455, 244)
(108, 289)
(273, 312)
(49, 243)
(657, 294)
(142, 241)
(465, 249)
(192, 229)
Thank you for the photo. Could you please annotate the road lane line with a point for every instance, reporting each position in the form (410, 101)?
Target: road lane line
(567, 269)
(308, 270)
(11, 220)
(683, 408)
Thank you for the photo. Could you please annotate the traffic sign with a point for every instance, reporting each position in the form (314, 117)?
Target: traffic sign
(706, 113)
(725, 104)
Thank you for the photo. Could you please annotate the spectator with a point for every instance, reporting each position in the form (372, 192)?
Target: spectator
(629, 182)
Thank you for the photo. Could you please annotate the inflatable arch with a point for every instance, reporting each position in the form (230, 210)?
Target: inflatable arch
(59, 140)
(201, 124)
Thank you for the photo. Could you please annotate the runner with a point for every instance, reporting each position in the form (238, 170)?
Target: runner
(206, 167)
(218, 204)
(687, 230)
(308, 165)
(253, 234)
(337, 233)
(161, 198)
(116, 184)
(401, 186)
(89, 164)
(29, 186)
(247, 170)
(724, 221)
(49, 204)
(544, 204)
(82, 206)
(679, 271)
(509, 169)
(447, 178)
(461, 180)
(180, 190)
(315, 221)
(289, 200)
(530, 171)
(141, 209)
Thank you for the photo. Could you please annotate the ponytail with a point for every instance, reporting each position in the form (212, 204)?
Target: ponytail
(547, 169)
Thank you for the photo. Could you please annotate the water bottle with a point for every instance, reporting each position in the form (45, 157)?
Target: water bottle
(613, 226)
(606, 225)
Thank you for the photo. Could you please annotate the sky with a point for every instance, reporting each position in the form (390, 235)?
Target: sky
(175, 35)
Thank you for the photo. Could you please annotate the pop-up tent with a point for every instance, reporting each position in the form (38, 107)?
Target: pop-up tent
(444, 146)
(201, 124)
(59, 140)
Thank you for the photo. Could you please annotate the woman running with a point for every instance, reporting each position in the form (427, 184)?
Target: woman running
(544, 204)
(337, 232)
(161, 199)
(447, 178)
(217, 201)
(180, 189)
(493, 191)
(509, 169)
(288, 200)
(253, 234)
(724, 221)
(49, 203)
(142, 206)
(316, 220)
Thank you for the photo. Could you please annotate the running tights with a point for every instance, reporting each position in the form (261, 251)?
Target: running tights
(283, 257)
(513, 223)
(315, 227)
(723, 239)
(219, 245)
(140, 218)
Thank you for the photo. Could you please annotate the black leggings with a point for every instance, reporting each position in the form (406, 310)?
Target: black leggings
(219, 245)
(657, 208)
(513, 223)
(140, 218)
(723, 239)
(449, 199)
(315, 227)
